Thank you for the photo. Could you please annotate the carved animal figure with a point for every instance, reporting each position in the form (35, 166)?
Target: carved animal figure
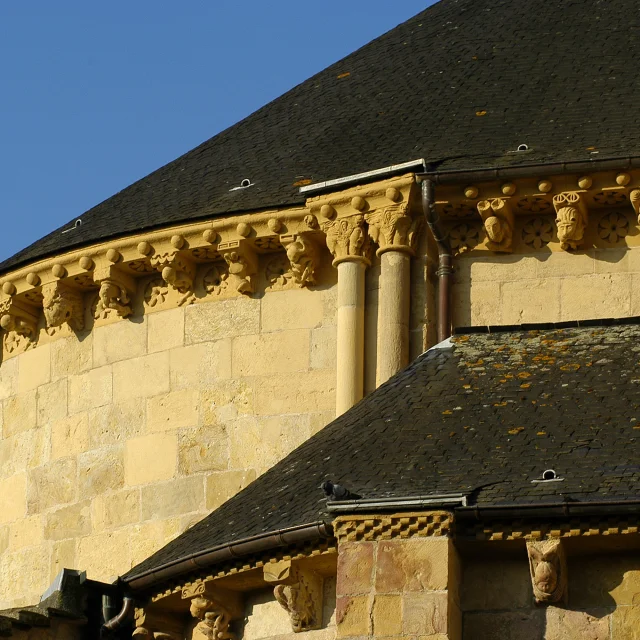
(113, 296)
(296, 600)
(63, 305)
(571, 226)
(301, 255)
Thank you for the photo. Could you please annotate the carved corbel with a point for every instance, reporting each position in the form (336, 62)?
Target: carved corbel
(347, 239)
(498, 219)
(62, 304)
(299, 593)
(392, 229)
(303, 256)
(177, 270)
(154, 625)
(214, 608)
(116, 292)
(20, 321)
(242, 264)
(571, 220)
(634, 196)
(548, 566)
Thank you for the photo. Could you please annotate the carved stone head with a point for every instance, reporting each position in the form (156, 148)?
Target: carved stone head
(495, 229)
(571, 226)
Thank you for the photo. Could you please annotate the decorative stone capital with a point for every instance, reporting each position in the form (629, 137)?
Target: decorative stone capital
(392, 228)
(498, 219)
(20, 322)
(347, 239)
(299, 593)
(62, 305)
(571, 220)
(548, 566)
(303, 256)
(214, 608)
(177, 270)
(154, 625)
(242, 264)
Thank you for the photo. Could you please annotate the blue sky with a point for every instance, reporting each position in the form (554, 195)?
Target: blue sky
(95, 95)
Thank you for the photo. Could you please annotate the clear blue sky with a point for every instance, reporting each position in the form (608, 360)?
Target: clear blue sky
(95, 95)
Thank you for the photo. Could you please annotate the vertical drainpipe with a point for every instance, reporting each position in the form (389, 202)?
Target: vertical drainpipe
(445, 260)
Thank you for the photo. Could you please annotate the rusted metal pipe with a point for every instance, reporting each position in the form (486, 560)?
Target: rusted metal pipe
(445, 260)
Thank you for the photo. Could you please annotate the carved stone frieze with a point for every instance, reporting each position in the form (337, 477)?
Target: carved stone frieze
(347, 239)
(279, 274)
(156, 292)
(177, 270)
(154, 625)
(216, 279)
(548, 566)
(214, 608)
(464, 237)
(392, 228)
(571, 220)
(303, 256)
(613, 227)
(62, 305)
(498, 219)
(299, 593)
(242, 264)
(116, 292)
(20, 323)
(537, 233)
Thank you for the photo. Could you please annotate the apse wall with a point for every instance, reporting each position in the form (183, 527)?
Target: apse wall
(118, 438)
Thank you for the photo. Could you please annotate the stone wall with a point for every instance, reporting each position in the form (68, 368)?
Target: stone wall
(604, 600)
(117, 439)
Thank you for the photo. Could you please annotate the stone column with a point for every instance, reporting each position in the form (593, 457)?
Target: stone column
(398, 576)
(348, 242)
(395, 232)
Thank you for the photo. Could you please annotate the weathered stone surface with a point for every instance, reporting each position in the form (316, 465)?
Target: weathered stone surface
(151, 458)
(200, 365)
(312, 391)
(117, 423)
(105, 555)
(69, 522)
(563, 624)
(496, 584)
(625, 623)
(605, 580)
(115, 509)
(19, 414)
(271, 353)
(582, 297)
(420, 564)
(226, 400)
(293, 309)
(324, 348)
(165, 330)
(63, 556)
(476, 304)
(8, 378)
(51, 402)
(71, 356)
(52, 485)
(34, 368)
(101, 470)
(425, 614)
(150, 373)
(501, 625)
(352, 616)
(90, 390)
(70, 436)
(25, 533)
(203, 449)
(119, 341)
(222, 486)
(174, 410)
(24, 575)
(264, 617)
(531, 301)
(355, 568)
(24, 451)
(222, 319)
(387, 615)
(183, 495)
(146, 538)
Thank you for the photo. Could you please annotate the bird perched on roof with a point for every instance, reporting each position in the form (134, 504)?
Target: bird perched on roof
(337, 492)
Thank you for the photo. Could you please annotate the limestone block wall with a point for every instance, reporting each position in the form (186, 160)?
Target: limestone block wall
(117, 439)
(546, 286)
(604, 600)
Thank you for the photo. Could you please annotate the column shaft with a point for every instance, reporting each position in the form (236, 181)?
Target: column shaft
(393, 314)
(350, 353)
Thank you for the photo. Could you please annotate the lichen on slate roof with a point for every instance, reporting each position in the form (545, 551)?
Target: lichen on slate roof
(484, 415)
(462, 85)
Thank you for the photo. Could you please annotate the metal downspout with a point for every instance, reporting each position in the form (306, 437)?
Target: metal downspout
(445, 260)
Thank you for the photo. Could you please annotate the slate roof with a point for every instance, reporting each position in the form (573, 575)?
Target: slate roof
(484, 415)
(462, 85)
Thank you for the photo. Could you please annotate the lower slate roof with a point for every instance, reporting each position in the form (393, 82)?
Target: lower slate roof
(462, 85)
(484, 415)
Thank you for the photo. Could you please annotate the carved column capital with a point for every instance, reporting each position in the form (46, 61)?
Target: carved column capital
(214, 608)
(299, 593)
(116, 292)
(62, 304)
(498, 219)
(392, 228)
(20, 322)
(548, 567)
(347, 239)
(571, 220)
(303, 256)
(241, 264)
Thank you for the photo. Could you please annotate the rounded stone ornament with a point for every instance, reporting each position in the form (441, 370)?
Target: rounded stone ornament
(585, 182)
(33, 279)
(544, 186)
(58, 271)
(623, 179)
(113, 255)
(86, 263)
(144, 248)
(471, 192)
(327, 211)
(9, 288)
(177, 242)
(358, 203)
(393, 194)
(243, 229)
(509, 189)
(274, 225)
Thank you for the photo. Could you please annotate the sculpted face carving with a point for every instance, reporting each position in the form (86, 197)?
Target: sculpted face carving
(303, 258)
(548, 571)
(571, 219)
(114, 297)
(62, 305)
(496, 229)
(498, 219)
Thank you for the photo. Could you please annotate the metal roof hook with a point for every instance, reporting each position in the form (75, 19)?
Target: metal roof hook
(245, 184)
(76, 224)
(523, 147)
(549, 475)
